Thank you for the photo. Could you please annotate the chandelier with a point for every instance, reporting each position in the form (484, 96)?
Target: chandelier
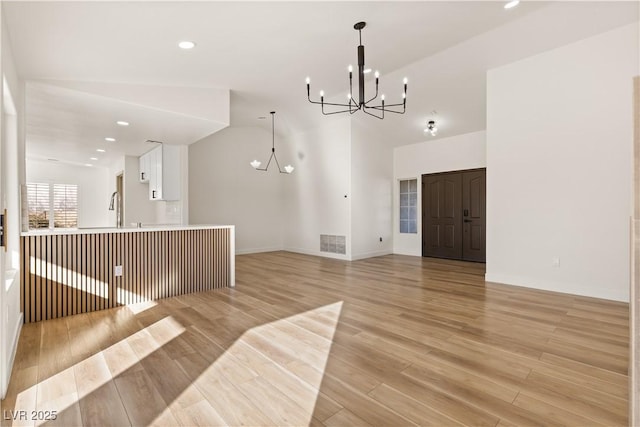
(256, 164)
(367, 106)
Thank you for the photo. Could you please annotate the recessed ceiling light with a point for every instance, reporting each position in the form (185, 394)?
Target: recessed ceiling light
(512, 3)
(110, 139)
(101, 150)
(122, 123)
(93, 158)
(367, 70)
(186, 45)
(88, 164)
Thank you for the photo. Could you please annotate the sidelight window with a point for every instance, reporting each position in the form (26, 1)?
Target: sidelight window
(409, 206)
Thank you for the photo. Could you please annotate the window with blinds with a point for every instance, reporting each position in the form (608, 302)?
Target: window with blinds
(65, 206)
(52, 205)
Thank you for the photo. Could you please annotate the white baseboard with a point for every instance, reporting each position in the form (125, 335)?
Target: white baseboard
(560, 287)
(257, 250)
(317, 253)
(12, 356)
(370, 255)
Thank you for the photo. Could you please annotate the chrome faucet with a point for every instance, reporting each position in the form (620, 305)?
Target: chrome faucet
(116, 199)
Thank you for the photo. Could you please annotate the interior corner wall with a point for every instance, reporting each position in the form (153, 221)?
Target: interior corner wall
(318, 192)
(459, 152)
(224, 189)
(559, 167)
(371, 191)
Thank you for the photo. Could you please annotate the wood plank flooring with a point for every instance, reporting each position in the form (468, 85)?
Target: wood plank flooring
(301, 340)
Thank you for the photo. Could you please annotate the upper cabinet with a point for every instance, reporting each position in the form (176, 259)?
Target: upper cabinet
(160, 167)
(143, 176)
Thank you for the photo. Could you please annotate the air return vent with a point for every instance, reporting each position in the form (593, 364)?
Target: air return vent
(333, 244)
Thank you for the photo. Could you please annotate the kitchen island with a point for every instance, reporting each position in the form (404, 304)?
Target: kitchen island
(71, 271)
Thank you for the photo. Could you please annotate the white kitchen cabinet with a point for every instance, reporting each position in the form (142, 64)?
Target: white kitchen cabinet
(164, 172)
(143, 176)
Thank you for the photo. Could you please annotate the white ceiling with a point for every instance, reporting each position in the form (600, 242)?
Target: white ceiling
(262, 52)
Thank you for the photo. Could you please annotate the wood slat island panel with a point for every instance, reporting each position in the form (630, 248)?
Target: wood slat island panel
(70, 273)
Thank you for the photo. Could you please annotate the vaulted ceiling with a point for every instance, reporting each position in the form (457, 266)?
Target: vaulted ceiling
(262, 52)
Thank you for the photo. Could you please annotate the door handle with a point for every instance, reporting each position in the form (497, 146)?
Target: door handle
(141, 175)
(3, 230)
(153, 194)
(468, 220)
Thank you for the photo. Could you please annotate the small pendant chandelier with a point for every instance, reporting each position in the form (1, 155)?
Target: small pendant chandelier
(256, 164)
(352, 106)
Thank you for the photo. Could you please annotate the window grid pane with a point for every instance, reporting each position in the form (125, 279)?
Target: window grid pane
(408, 206)
(65, 206)
(38, 205)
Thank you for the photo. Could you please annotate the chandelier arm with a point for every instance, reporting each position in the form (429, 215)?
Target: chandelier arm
(277, 163)
(386, 106)
(375, 115)
(385, 109)
(328, 103)
(375, 96)
(269, 162)
(336, 112)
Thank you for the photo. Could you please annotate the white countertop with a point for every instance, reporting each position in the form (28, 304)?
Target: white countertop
(98, 230)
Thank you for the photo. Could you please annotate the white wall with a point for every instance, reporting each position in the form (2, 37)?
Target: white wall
(93, 188)
(225, 189)
(11, 174)
(460, 152)
(371, 191)
(315, 192)
(559, 152)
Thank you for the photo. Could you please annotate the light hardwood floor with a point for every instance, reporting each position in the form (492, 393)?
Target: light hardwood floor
(387, 341)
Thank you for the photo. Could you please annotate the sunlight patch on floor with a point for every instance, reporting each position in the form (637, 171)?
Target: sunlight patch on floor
(276, 368)
(61, 391)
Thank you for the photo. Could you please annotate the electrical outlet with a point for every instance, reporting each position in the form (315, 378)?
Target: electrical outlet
(118, 271)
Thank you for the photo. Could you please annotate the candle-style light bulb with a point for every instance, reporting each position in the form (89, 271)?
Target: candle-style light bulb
(350, 68)
(321, 94)
(308, 80)
(377, 74)
(405, 80)
(382, 97)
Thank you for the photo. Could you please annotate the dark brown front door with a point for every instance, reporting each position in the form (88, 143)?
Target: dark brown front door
(473, 215)
(442, 215)
(453, 215)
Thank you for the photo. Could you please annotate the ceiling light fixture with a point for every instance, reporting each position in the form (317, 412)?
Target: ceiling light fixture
(88, 164)
(256, 164)
(93, 158)
(511, 4)
(186, 45)
(122, 123)
(100, 150)
(110, 139)
(361, 104)
(431, 128)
